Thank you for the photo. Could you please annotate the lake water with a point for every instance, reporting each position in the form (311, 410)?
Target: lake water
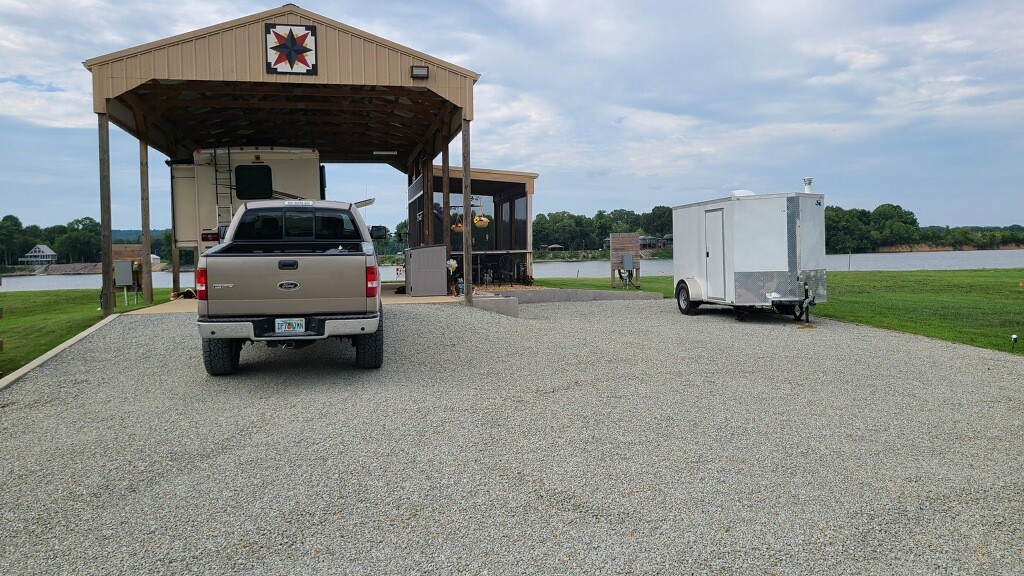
(961, 260)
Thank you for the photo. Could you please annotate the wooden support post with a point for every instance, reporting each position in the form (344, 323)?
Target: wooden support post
(529, 231)
(446, 208)
(175, 269)
(106, 247)
(467, 222)
(147, 241)
(428, 201)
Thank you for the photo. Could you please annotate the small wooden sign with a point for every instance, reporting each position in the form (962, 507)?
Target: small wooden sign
(624, 243)
(128, 251)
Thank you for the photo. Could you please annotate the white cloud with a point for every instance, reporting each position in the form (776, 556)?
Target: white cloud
(649, 95)
(966, 65)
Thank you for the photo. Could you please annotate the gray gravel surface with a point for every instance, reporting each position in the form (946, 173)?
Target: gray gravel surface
(581, 438)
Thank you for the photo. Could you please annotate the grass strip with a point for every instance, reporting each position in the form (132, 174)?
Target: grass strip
(36, 321)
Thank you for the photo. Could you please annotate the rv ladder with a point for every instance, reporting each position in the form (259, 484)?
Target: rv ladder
(223, 184)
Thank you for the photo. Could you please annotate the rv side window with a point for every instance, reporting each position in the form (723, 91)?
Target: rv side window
(253, 183)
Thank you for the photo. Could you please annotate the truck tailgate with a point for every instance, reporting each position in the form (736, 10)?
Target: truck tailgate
(284, 284)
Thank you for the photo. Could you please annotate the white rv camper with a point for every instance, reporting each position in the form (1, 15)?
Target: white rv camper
(206, 191)
(751, 251)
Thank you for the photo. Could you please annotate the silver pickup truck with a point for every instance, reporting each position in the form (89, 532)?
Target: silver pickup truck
(289, 273)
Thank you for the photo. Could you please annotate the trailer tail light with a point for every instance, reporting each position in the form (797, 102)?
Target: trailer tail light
(211, 237)
(201, 283)
(372, 281)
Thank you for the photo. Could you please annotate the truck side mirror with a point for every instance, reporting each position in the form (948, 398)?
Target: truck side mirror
(378, 232)
(222, 231)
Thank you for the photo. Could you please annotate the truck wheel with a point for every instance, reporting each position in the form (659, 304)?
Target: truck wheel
(370, 347)
(220, 355)
(686, 306)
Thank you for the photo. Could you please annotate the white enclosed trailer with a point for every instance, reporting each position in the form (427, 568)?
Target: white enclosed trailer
(751, 251)
(207, 190)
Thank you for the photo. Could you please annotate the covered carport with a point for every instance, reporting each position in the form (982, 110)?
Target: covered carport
(284, 77)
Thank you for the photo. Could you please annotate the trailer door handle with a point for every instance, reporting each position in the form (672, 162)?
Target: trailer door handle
(287, 264)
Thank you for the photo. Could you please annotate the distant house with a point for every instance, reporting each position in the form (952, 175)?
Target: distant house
(39, 254)
(648, 242)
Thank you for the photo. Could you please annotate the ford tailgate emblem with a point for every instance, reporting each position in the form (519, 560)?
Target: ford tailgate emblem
(288, 285)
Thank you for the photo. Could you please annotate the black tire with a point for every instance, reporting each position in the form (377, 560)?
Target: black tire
(220, 356)
(370, 347)
(686, 306)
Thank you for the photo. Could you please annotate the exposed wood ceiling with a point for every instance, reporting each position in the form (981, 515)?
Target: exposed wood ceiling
(345, 123)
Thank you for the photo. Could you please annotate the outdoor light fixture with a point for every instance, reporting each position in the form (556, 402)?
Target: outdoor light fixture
(419, 71)
(385, 152)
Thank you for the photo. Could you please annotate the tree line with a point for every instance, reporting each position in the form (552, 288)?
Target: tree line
(76, 241)
(578, 232)
(890, 225)
(846, 230)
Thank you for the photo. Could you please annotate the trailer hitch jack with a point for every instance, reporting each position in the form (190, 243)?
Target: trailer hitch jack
(807, 303)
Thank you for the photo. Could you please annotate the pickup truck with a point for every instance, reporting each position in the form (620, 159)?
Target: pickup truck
(290, 273)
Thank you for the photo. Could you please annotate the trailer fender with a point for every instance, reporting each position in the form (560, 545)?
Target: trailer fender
(696, 294)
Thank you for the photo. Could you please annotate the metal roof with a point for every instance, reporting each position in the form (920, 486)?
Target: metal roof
(214, 87)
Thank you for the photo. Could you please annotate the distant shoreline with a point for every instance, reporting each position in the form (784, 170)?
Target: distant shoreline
(81, 269)
(87, 268)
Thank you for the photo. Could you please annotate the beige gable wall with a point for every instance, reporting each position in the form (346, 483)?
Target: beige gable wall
(235, 51)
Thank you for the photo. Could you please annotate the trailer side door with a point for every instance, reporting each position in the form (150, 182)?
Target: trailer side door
(714, 235)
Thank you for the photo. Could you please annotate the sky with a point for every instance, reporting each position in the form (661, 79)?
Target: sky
(615, 104)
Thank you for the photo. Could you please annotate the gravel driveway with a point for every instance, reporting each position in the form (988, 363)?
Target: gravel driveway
(582, 438)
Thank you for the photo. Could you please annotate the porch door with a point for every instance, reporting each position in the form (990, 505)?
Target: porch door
(714, 236)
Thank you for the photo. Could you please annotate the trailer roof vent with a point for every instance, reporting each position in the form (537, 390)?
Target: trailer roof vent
(738, 193)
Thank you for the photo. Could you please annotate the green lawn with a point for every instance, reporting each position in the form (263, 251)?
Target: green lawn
(36, 321)
(976, 307)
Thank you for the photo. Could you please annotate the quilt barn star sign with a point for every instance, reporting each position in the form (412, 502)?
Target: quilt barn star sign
(291, 49)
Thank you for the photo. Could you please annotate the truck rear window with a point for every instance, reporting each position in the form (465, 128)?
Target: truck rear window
(302, 225)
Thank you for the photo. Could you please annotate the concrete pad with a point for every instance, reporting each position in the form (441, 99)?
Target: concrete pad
(388, 296)
(499, 304)
(576, 295)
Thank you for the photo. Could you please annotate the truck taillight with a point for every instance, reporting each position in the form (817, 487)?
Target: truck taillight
(372, 281)
(201, 283)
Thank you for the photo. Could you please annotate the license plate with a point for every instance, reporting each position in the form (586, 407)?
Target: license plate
(289, 325)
